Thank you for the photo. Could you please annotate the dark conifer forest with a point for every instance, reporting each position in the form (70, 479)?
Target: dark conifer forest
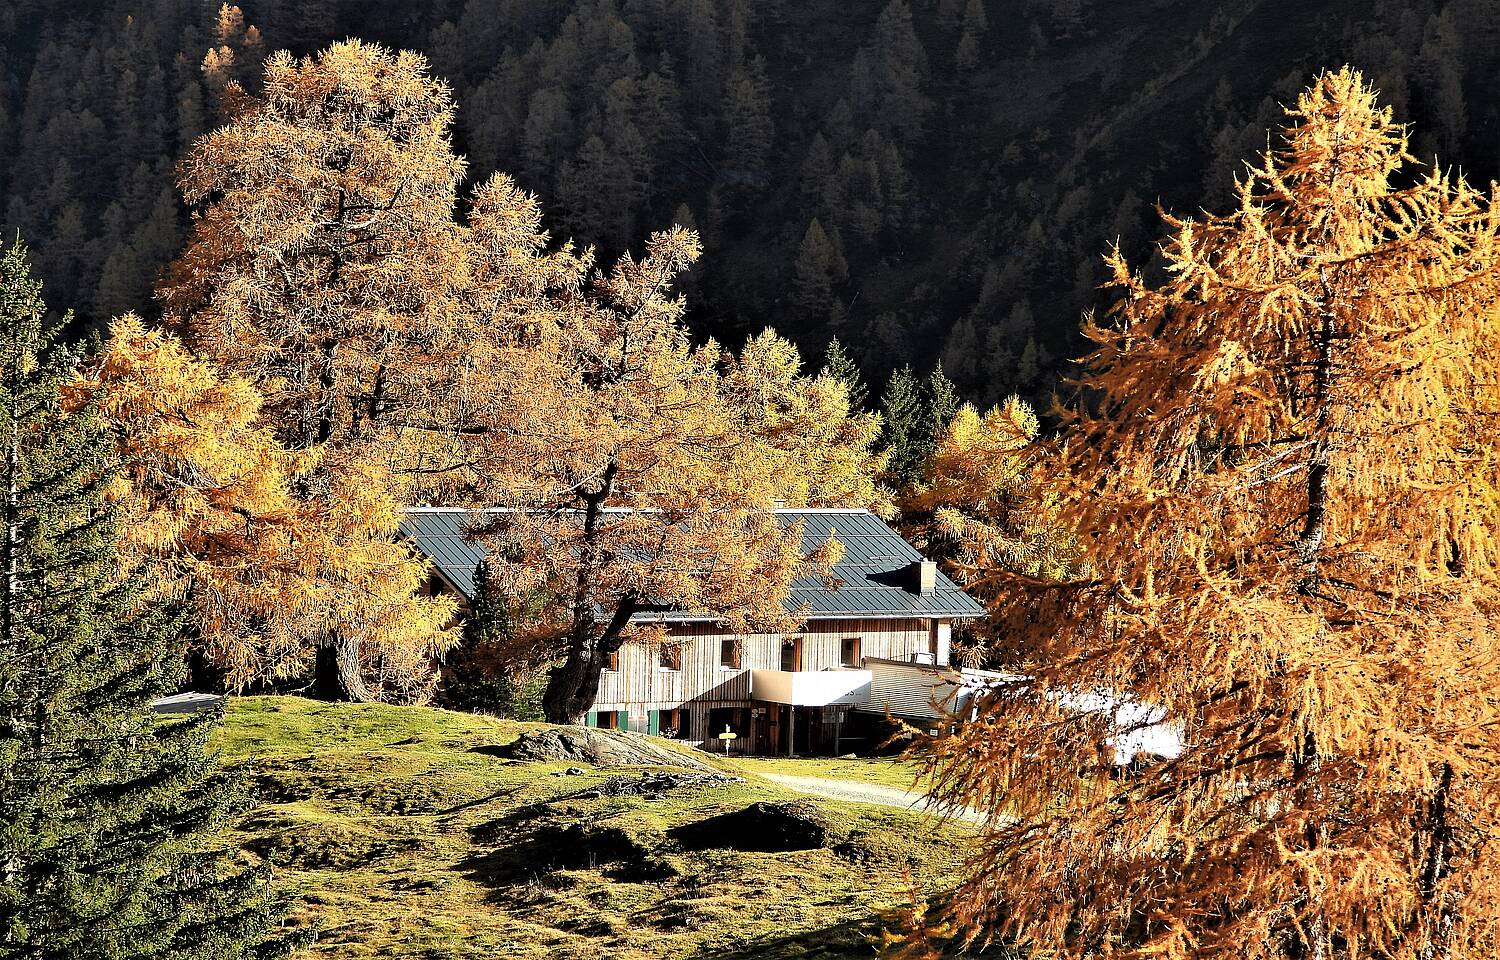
(924, 179)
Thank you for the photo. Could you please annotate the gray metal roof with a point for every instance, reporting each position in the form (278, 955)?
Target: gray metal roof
(872, 579)
(440, 533)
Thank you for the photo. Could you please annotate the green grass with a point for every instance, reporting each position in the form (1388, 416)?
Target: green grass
(398, 832)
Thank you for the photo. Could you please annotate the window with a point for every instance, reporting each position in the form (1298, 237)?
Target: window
(791, 654)
(849, 651)
(669, 657)
(735, 719)
(671, 723)
(609, 719)
(729, 654)
(613, 663)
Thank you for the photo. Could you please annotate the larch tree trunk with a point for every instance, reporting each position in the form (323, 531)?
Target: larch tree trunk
(573, 685)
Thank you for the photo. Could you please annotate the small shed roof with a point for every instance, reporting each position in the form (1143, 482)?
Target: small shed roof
(874, 578)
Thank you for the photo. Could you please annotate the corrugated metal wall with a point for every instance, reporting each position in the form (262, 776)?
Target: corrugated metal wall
(910, 691)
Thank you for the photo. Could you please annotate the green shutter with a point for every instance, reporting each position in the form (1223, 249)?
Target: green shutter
(622, 719)
(592, 720)
(653, 725)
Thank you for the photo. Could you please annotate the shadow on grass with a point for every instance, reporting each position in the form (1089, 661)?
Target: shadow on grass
(498, 870)
(850, 940)
(854, 939)
(515, 853)
(526, 845)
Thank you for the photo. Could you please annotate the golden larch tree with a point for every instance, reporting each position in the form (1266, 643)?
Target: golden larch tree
(978, 509)
(407, 356)
(325, 262)
(818, 446)
(208, 494)
(1282, 467)
(633, 473)
(326, 268)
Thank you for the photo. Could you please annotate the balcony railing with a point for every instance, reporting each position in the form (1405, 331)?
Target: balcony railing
(811, 688)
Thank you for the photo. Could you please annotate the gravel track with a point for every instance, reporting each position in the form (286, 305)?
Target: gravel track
(867, 793)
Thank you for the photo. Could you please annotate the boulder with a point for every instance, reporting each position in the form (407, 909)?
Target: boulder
(596, 747)
(649, 784)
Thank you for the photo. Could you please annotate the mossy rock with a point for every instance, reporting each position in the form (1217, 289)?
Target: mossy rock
(597, 748)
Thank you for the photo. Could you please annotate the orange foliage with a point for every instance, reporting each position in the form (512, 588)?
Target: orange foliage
(414, 357)
(1282, 465)
(209, 494)
(325, 268)
(638, 477)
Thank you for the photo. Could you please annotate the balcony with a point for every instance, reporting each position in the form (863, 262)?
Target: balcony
(811, 688)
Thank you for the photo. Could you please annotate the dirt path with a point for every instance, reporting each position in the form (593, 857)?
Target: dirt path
(866, 793)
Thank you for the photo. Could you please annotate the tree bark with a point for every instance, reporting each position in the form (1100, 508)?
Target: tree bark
(573, 685)
(337, 675)
(1310, 543)
(1439, 942)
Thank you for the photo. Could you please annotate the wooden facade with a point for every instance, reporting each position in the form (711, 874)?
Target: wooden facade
(883, 602)
(697, 680)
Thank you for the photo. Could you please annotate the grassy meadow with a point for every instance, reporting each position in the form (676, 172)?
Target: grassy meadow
(401, 832)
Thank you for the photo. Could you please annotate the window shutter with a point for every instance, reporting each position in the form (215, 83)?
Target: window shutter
(653, 725)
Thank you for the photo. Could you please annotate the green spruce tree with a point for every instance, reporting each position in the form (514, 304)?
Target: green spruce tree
(489, 672)
(106, 815)
(940, 402)
(901, 409)
(840, 366)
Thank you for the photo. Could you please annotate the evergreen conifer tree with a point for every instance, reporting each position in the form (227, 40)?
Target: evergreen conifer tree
(103, 811)
(975, 25)
(889, 87)
(840, 366)
(940, 405)
(901, 409)
(747, 117)
(819, 269)
(488, 673)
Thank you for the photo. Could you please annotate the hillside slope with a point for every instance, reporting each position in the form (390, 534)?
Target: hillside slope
(967, 160)
(400, 832)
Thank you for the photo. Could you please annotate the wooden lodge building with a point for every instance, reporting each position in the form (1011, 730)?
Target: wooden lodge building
(876, 640)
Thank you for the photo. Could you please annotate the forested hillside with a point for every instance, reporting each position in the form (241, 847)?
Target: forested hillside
(932, 179)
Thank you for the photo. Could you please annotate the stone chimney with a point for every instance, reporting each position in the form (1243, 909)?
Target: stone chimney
(923, 577)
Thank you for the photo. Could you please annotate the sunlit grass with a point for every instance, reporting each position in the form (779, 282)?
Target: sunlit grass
(398, 832)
